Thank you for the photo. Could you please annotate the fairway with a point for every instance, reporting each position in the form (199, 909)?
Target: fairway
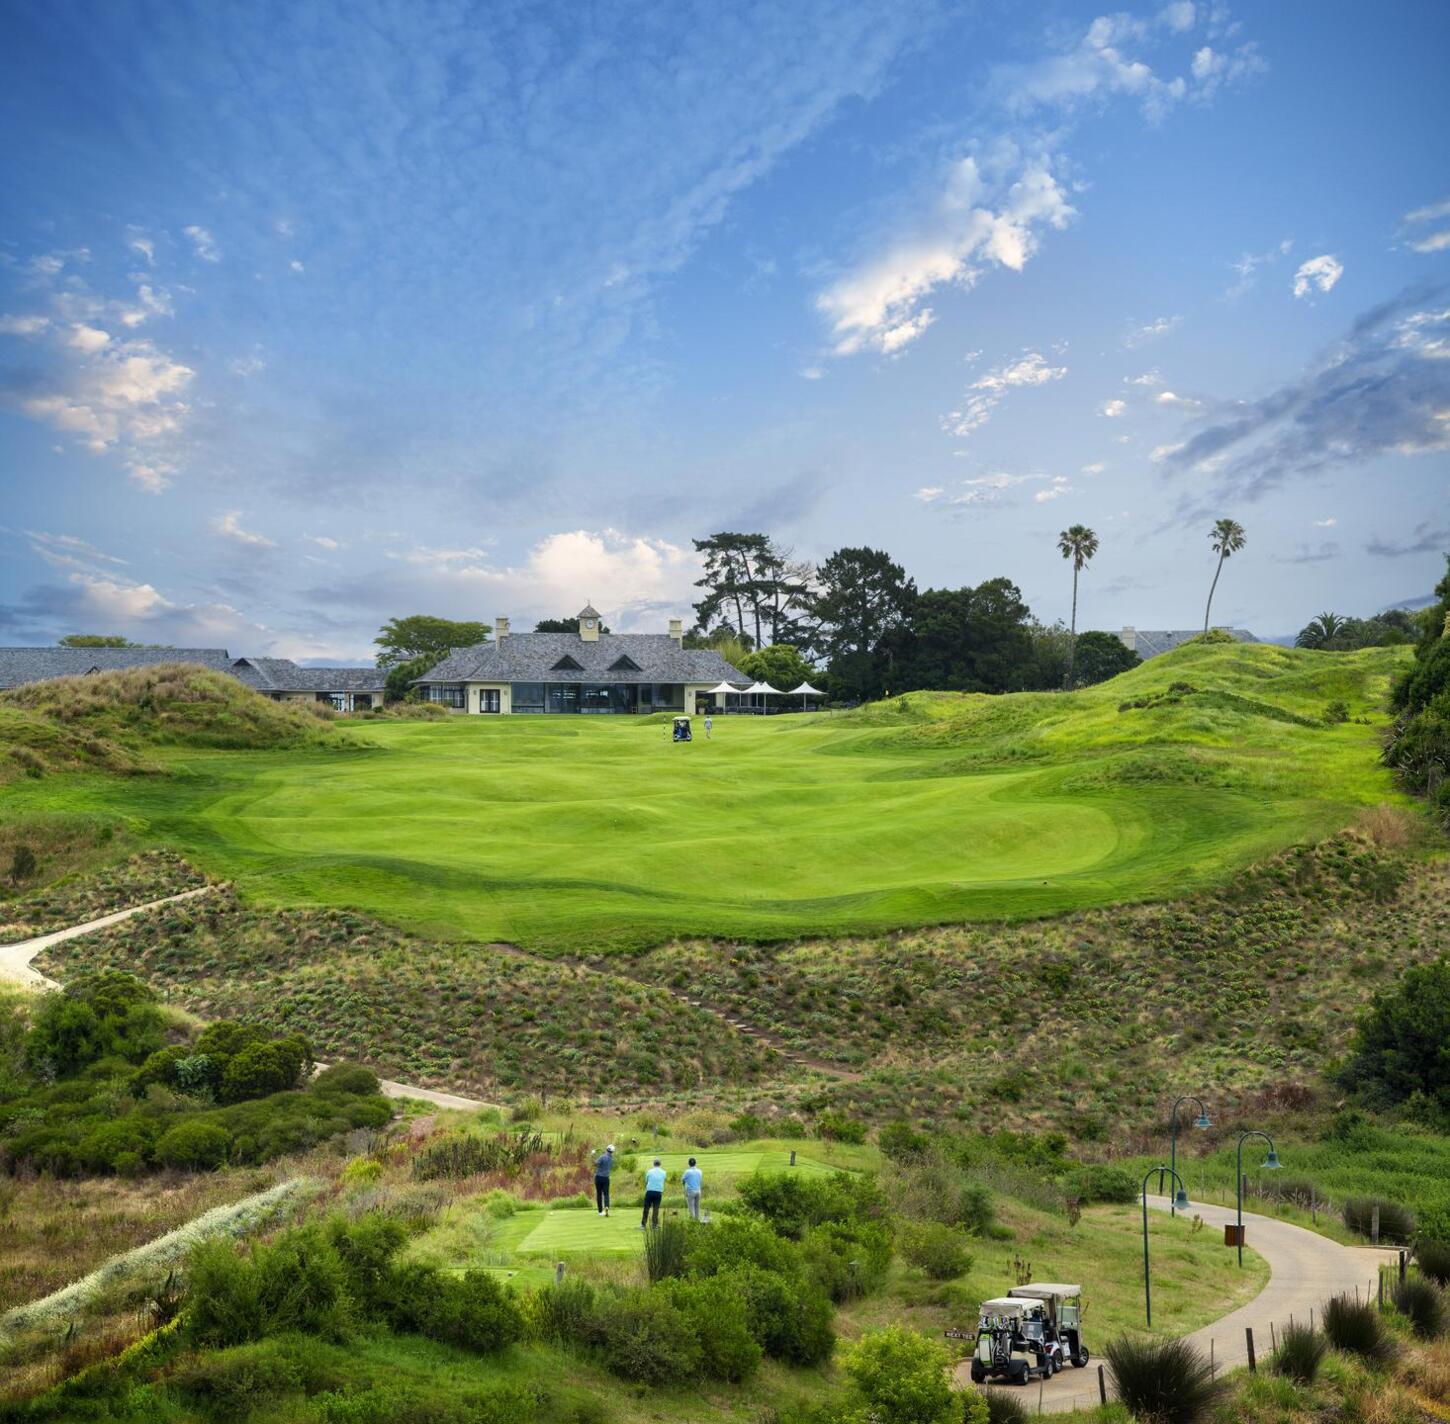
(571, 832)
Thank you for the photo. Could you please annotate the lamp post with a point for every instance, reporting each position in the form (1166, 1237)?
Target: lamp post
(1201, 1121)
(1180, 1201)
(1271, 1162)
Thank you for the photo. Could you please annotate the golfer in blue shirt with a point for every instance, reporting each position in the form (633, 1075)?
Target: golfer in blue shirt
(654, 1194)
(691, 1181)
(603, 1166)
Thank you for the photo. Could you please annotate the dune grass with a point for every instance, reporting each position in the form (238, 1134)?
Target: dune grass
(562, 832)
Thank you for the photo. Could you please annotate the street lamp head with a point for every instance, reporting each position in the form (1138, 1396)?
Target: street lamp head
(1203, 1120)
(1272, 1160)
(1180, 1200)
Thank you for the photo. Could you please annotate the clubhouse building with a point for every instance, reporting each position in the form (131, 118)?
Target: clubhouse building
(585, 672)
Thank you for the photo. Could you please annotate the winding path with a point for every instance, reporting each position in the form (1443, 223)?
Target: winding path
(1305, 1270)
(15, 965)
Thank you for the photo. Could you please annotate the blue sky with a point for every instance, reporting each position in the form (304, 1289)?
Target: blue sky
(314, 314)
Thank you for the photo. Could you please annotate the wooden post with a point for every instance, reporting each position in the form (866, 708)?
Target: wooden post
(1249, 1337)
(1311, 1317)
(1273, 1338)
(1102, 1385)
(1041, 1385)
(558, 1272)
(1374, 1225)
(1212, 1365)
(1404, 1258)
(792, 1156)
(1382, 1290)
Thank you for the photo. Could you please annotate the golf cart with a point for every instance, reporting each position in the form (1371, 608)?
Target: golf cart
(1012, 1342)
(1064, 1318)
(682, 730)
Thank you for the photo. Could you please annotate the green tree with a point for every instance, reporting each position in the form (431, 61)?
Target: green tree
(1226, 537)
(966, 640)
(402, 640)
(96, 640)
(1402, 1047)
(1320, 632)
(563, 625)
(901, 1377)
(1419, 748)
(1078, 543)
(780, 665)
(862, 599)
(1101, 656)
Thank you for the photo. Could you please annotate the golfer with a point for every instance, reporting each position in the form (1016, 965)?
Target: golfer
(654, 1194)
(691, 1182)
(603, 1166)
(709, 723)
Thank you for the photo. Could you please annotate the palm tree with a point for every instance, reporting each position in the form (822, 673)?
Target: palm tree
(1321, 631)
(1079, 544)
(1227, 537)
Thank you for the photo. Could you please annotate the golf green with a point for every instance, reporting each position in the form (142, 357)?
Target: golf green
(569, 832)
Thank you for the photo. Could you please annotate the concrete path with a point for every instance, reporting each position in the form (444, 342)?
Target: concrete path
(15, 958)
(1305, 1270)
(15, 965)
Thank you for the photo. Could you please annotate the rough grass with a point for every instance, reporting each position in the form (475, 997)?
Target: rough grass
(568, 833)
(151, 875)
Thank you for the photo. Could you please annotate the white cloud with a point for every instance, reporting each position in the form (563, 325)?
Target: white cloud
(1326, 523)
(229, 526)
(143, 247)
(88, 339)
(987, 392)
(151, 475)
(987, 490)
(1249, 264)
(988, 213)
(203, 243)
(811, 373)
(1318, 273)
(1148, 378)
(1096, 468)
(1177, 402)
(246, 365)
(1113, 408)
(323, 541)
(1436, 242)
(1179, 16)
(295, 265)
(23, 325)
(1055, 490)
(67, 551)
(1151, 330)
(1429, 212)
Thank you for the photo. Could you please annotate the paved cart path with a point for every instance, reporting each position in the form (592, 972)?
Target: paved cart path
(1305, 1270)
(15, 965)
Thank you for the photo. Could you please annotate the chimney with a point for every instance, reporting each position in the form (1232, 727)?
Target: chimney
(500, 629)
(1129, 638)
(677, 632)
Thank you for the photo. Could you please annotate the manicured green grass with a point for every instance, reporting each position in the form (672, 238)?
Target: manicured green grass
(562, 832)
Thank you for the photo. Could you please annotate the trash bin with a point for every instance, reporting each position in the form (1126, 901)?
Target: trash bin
(1233, 1235)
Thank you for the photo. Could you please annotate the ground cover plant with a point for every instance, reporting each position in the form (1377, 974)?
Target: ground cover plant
(559, 832)
(74, 899)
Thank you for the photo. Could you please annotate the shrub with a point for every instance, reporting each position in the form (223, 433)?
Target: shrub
(1301, 1350)
(1003, 1409)
(646, 1339)
(717, 1312)
(1422, 1303)
(1397, 1223)
(847, 1259)
(1100, 1182)
(261, 1069)
(345, 1078)
(1399, 1046)
(900, 1142)
(1434, 1260)
(938, 1250)
(565, 1312)
(1167, 1381)
(193, 1144)
(664, 1250)
(735, 1242)
(366, 1248)
(902, 1377)
(790, 1317)
(1355, 1328)
(793, 1203)
(837, 1127)
(476, 1311)
(96, 1015)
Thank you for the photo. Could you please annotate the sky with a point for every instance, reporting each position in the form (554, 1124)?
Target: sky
(316, 314)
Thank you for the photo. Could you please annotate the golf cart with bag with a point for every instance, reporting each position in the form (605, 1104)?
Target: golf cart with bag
(1064, 1318)
(682, 730)
(1012, 1342)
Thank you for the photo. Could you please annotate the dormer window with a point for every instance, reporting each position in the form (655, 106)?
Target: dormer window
(567, 664)
(624, 664)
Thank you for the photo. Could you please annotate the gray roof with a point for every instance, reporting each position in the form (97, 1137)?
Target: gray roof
(531, 657)
(22, 665)
(283, 675)
(1150, 642)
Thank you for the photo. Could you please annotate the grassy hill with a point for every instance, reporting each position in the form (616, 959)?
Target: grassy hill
(571, 833)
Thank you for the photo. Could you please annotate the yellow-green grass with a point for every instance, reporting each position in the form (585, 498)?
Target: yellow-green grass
(562, 832)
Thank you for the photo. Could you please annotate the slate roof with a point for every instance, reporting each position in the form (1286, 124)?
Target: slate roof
(283, 675)
(1151, 642)
(531, 657)
(22, 665)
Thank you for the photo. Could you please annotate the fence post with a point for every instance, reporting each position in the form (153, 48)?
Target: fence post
(792, 1156)
(1102, 1385)
(1374, 1225)
(1041, 1385)
(1249, 1336)
(1273, 1338)
(1403, 1257)
(558, 1272)
(1382, 1290)
(1212, 1366)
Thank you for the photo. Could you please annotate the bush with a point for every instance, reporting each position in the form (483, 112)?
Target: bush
(475, 1312)
(789, 1316)
(717, 1312)
(1422, 1303)
(261, 1069)
(792, 1203)
(194, 1144)
(1397, 1223)
(346, 1078)
(566, 1312)
(1100, 1182)
(645, 1339)
(1399, 1046)
(900, 1142)
(1434, 1260)
(1355, 1328)
(1003, 1409)
(938, 1250)
(665, 1249)
(735, 1242)
(1300, 1353)
(902, 1378)
(837, 1127)
(847, 1259)
(104, 1014)
(1167, 1381)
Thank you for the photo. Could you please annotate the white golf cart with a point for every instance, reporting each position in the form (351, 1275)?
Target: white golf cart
(1012, 1342)
(1064, 1318)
